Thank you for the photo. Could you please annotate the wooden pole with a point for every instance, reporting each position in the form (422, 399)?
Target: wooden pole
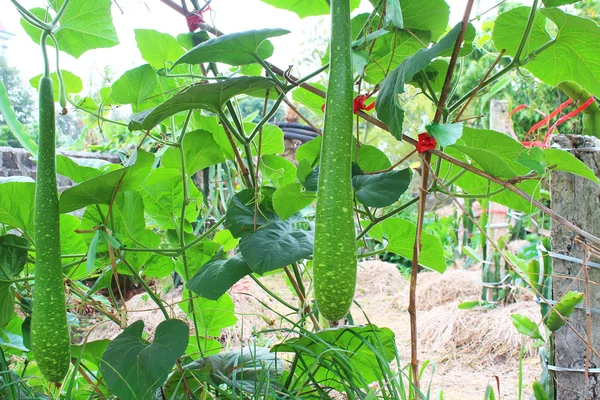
(577, 199)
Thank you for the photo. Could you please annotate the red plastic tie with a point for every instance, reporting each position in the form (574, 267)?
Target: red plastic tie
(425, 143)
(196, 18)
(359, 104)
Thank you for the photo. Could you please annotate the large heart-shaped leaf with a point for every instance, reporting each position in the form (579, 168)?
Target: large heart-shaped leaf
(101, 189)
(275, 246)
(210, 96)
(211, 315)
(85, 25)
(163, 195)
(572, 56)
(200, 150)
(133, 368)
(233, 49)
(218, 275)
(156, 47)
(79, 169)
(381, 190)
(72, 82)
(290, 199)
(400, 236)
(388, 104)
(134, 86)
(12, 262)
(18, 214)
(244, 214)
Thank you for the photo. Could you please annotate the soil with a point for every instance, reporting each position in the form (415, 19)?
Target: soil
(469, 348)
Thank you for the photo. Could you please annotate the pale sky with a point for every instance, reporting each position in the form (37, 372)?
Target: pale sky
(228, 15)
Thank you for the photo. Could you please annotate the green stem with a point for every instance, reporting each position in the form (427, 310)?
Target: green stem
(194, 76)
(32, 19)
(231, 128)
(100, 117)
(527, 33)
(45, 54)
(273, 295)
(248, 151)
(310, 76)
(270, 72)
(59, 15)
(386, 216)
(266, 118)
(184, 204)
(8, 378)
(143, 283)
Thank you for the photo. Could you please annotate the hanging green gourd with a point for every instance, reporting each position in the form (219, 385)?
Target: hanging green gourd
(49, 332)
(335, 236)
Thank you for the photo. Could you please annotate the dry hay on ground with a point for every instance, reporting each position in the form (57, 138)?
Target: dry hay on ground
(434, 289)
(252, 316)
(378, 278)
(478, 337)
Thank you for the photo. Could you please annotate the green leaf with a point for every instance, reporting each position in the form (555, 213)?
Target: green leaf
(359, 348)
(435, 72)
(310, 100)
(307, 8)
(12, 262)
(565, 307)
(525, 326)
(289, 199)
(76, 168)
(538, 390)
(557, 3)
(18, 214)
(371, 159)
(272, 139)
(71, 81)
(393, 13)
(13, 123)
(158, 266)
(101, 189)
(200, 151)
(400, 235)
(210, 96)
(191, 39)
(163, 195)
(561, 160)
(218, 275)
(572, 56)
(243, 213)
(156, 47)
(85, 25)
(233, 49)
(381, 190)
(388, 105)
(390, 50)
(226, 239)
(467, 305)
(434, 17)
(70, 241)
(495, 152)
(445, 134)
(275, 246)
(211, 315)
(310, 151)
(134, 86)
(134, 369)
(277, 171)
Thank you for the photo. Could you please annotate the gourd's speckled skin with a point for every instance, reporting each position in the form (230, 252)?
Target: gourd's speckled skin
(335, 236)
(49, 332)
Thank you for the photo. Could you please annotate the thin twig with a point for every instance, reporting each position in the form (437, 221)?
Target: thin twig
(299, 114)
(478, 88)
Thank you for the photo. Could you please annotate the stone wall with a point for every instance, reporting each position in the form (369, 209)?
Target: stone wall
(18, 162)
